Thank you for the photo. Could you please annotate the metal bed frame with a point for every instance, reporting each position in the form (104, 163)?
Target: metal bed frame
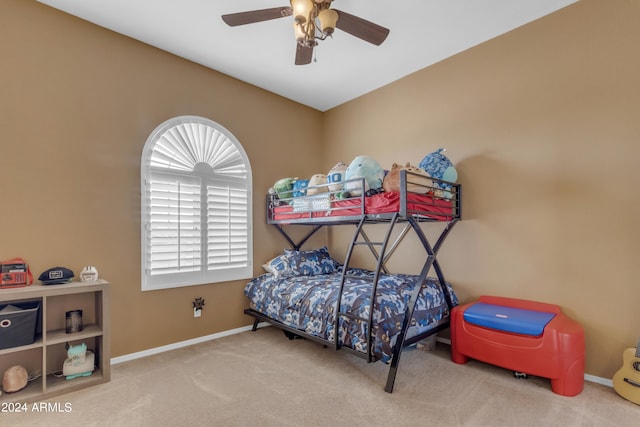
(382, 251)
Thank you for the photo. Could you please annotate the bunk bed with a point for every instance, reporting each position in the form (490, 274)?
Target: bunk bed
(373, 313)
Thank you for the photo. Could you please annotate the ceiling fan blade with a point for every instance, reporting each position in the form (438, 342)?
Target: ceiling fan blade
(361, 28)
(253, 16)
(304, 54)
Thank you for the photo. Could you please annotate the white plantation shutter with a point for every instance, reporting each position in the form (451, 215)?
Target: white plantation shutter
(196, 210)
(175, 239)
(228, 226)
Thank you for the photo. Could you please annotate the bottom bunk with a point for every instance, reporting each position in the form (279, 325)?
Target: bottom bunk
(305, 304)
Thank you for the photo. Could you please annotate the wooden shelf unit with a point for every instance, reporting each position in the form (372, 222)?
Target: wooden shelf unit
(48, 352)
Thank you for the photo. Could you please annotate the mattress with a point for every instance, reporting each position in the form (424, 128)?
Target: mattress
(321, 206)
(307, 303)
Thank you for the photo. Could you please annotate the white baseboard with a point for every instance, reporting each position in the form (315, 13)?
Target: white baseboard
(598, 380)
(177, 345)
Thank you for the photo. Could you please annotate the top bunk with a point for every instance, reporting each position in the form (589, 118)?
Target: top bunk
(407, 194)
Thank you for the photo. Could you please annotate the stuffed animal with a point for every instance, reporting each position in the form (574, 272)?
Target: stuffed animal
(283, 188)
(300, 187)
(416, 184)
(437, 165)
(363, 167)
(314, 182)
(336, 176)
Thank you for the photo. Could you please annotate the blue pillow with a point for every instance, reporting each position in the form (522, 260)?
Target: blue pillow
(310, 263)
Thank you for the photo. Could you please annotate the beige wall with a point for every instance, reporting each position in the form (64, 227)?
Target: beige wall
(77, 104)
(541, 122)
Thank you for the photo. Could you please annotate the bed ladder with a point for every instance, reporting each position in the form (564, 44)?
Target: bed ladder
(361, 239)
(430, 261)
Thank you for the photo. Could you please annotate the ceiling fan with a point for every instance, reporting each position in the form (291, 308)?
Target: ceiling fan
(313, 20)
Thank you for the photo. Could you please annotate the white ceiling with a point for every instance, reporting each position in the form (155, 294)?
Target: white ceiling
(423, 32)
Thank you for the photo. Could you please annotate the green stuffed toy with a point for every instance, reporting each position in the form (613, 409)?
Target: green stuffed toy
(283, 188)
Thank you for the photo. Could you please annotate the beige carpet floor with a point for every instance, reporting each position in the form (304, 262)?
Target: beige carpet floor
(263, 379)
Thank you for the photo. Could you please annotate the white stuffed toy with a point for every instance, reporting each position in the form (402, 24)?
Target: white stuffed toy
(314, 182)
(336, 176)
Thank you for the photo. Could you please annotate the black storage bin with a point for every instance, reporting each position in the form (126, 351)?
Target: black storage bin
(19, 327)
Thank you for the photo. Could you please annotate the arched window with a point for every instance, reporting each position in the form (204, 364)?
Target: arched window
(196, 205)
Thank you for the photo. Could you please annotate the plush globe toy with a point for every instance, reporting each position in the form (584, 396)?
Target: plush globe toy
(336, 176)
(363, 167)
(437, 165)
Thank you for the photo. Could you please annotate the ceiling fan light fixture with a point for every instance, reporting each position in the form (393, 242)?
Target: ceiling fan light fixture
(328, 19)
(299, 32)
(302, 10)
(314, 21)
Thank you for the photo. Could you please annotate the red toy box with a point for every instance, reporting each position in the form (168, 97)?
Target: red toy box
(524, 336)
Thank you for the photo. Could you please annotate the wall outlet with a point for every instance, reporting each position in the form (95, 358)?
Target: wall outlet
(198, 303)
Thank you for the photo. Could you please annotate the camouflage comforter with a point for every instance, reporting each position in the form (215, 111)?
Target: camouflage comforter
(307, 303)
